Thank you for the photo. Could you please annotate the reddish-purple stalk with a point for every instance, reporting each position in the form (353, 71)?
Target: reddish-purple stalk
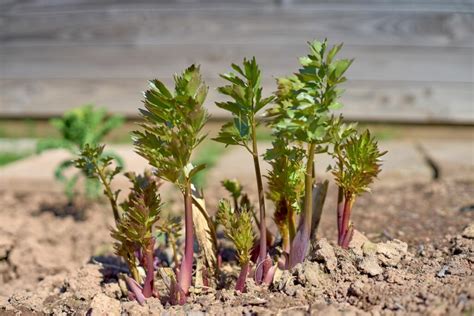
(244, 271)
(186, 270)
(148, 286)
(300, 244)
(344, 209)
(136, 290)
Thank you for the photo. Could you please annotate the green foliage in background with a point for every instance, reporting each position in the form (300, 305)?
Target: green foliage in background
(81, 126)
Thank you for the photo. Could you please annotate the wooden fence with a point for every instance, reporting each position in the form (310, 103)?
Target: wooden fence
(414, 60)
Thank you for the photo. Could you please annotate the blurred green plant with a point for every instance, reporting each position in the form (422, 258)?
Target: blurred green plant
(81, 126)
(9, 157)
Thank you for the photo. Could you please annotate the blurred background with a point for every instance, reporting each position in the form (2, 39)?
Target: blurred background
(412, 76)
(413, 59)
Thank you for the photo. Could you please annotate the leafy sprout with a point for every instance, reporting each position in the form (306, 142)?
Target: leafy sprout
(357, 165)
(285, 186)
(134, 232)
(238, 227)
(97, 166)
(302, 114)
(360, 161)
(173, 121)
(79, 127)
(245, 92)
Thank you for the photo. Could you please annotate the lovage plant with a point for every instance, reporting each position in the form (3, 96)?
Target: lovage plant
(238, 227)
(79, 127)
(246, 93)
(172, 126)
(133, 231)
(286, 187)
(302, 115)
(357, 164)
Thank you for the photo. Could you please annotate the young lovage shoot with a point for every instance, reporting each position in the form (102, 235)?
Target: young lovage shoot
(79, 127)
(246, 93)
(172, 126)
(357, 164)
(238, 227)
(302, 115)
(133, 230)
(286, 186)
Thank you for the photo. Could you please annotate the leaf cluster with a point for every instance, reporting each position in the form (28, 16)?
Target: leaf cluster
(358, 163)
(79, 127)
(238, 228)
(246, 101)
(96, 165)
(173, 122)
(140, 212)
(233, 187)
(305, 99)
(286, 177)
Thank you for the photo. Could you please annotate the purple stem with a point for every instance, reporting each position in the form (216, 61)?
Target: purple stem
(185, 272)
(136, 290)
(270, 274)
(244, 271)
(346, 217)
(150, 269)
(348, 237)
(300, 244)
(340, 211)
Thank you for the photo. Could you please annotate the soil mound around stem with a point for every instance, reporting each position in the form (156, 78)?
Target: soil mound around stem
(368, 278)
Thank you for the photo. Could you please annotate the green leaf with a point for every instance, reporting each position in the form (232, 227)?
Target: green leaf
(335, 106)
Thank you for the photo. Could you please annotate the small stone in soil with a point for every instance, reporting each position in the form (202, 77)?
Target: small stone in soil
(442, 273)
(356, 243)
(468, 232)
(103, 305)
(370, 265)
(325, 253)
(390, 253)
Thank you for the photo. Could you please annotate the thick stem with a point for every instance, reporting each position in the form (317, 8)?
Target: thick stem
(136, 290)
(244, 271)
(150, 269)
(261, 200)
(300, 244)
(349, 201)
(340, 211)
(348, 237)
(185, 272)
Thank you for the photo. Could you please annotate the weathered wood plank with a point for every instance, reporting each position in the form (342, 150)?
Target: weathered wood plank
(372, 63)
(414, 59)
(420, 5)
(367, 101)
(253, 25)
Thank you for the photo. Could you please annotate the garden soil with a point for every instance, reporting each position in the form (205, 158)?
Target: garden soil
(413, 253)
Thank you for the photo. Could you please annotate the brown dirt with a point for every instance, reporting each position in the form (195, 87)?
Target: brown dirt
(44, 259)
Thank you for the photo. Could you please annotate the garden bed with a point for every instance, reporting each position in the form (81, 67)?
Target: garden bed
(47, 264)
